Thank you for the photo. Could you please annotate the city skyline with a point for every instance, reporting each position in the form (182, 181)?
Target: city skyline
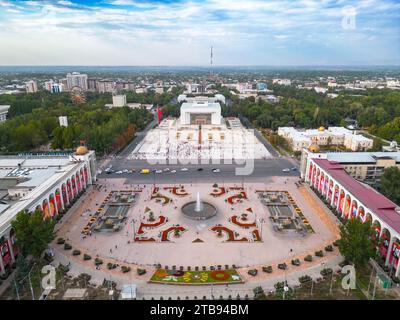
(180, 33)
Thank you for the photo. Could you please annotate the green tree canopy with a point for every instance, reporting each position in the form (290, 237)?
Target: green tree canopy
(356, 243)
(33, 232)
(390, 184)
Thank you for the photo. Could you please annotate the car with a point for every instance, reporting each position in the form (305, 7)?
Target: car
(125, 171)
(119, 172)
(166, 169)
(294, 169)
(200, 169)
(133, 170)
(216, 170)
(158, 171)
(144, 171)
(173, 171)
(184, 169)
(286, 170)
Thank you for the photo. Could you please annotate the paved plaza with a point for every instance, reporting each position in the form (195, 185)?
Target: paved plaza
(241, 234)
(171, 140)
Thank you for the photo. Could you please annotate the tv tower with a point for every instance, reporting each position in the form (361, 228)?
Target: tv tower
(211, 63)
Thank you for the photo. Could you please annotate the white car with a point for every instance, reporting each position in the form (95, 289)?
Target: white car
(119, 172)
(286, 170)
(216, 170)
(173, 171)
(158, 171)
(184, 169)
(166, 169)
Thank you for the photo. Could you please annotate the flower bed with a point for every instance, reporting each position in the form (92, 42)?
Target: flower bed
(196, 277)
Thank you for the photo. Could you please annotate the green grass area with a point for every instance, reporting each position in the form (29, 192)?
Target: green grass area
(196, 277)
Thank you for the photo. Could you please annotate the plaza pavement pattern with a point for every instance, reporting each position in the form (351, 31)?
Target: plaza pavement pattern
(272, 250)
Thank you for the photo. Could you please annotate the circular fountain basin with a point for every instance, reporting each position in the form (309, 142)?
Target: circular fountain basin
(208, 211)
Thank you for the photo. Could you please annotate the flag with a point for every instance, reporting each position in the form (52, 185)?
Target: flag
(159, 114)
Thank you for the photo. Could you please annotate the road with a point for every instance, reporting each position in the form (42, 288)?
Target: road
(262, 168)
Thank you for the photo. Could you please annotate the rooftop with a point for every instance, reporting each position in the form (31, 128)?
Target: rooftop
(369, 197)
(362, 157)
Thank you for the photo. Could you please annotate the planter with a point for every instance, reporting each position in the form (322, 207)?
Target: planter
(267, 269)
(308, 258)
(86, 257)
(252, 272)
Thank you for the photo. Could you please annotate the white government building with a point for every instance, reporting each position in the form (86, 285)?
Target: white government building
(335, 136)
(200, 133)
(49, 182)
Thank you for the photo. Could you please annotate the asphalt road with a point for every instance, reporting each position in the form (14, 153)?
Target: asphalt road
(262, 169)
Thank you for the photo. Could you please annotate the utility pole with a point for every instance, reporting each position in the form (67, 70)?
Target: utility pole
(16, 289)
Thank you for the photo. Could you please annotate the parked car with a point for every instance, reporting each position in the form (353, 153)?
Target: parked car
(184, 169)
(144, 171)
(286, 170)
(216, 170)
(173, 171)
(158, 171)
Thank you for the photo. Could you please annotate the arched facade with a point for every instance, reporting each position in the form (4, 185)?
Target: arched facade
(353, 200)
(55, 200)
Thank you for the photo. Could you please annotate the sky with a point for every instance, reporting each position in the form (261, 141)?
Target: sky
(181, 32)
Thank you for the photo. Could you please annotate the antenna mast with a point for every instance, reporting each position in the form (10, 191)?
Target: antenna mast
(211, 63)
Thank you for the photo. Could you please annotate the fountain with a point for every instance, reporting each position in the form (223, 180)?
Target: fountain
(199, 210)
(199, 204)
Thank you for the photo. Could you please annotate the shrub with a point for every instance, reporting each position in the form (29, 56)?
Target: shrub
(63, 269)
(336, 243)
(98, 261)
(304, 279)
(329, 248)
(141, 271)
(252, 272)
(67, 246)
(258, 291)
(282, 266)
(86, 257)
(60, 241)
(319, 253)
(76, 252)
(267, 269)
(296, 262)
(125, 269)
(308, 258)
(279, 285)
(84, 276)
(111, 266)
(326, 272)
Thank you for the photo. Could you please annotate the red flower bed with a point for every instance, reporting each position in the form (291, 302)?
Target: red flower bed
(151, 225)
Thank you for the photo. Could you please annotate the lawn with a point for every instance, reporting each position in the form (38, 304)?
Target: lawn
(196, 277)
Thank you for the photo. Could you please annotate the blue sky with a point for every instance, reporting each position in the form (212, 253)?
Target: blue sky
(242, 32)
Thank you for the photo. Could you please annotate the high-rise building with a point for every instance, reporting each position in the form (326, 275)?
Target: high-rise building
(31, 86)
(92, 84)
(76, 79)
(48, 85)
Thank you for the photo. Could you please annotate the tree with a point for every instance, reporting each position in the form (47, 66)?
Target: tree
(390, 184)
(33, 232)
(356, 243)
